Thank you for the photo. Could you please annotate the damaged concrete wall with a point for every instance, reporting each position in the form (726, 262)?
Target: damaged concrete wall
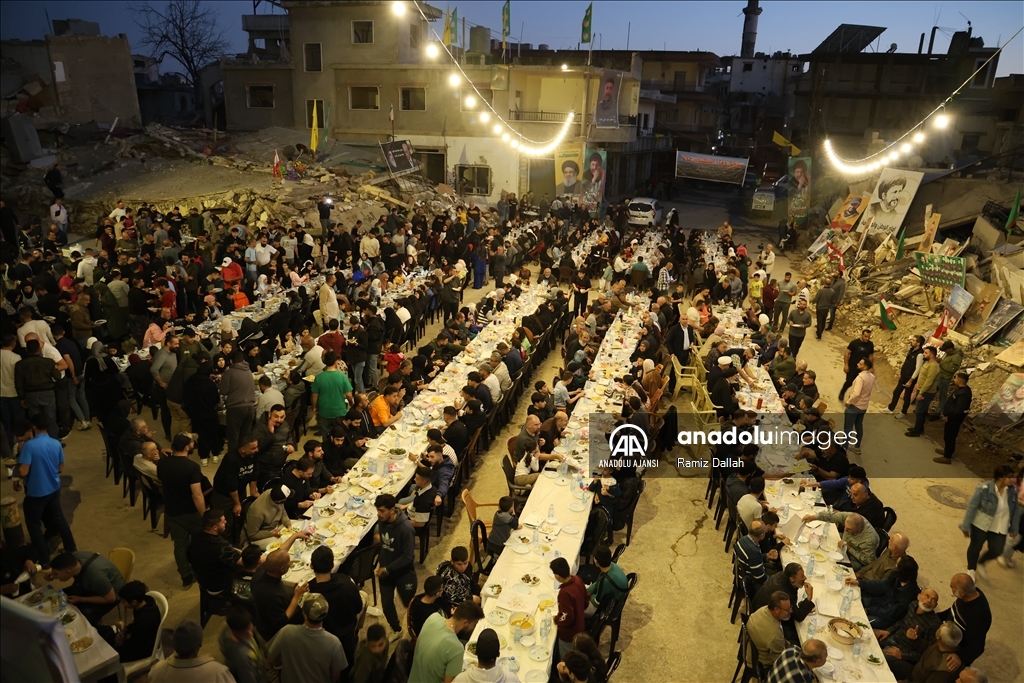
(238, 78)
(94, 79)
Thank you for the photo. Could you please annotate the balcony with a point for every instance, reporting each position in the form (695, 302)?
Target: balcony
(538, 116)
(671, 86)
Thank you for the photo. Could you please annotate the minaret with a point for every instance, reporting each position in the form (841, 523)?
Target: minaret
(750, 14)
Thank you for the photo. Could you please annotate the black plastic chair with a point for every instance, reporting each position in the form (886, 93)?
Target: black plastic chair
(360, 565)
(478, 548)
(614, 659)
(883, 541)
(448, 504)
(152, 500)
(519, 493)
(747, 659)
(423, 534)
(610, 614)
(618, 552)
(890, 518)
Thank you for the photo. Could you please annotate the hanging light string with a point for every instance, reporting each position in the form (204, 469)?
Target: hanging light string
(501, 128)
(891, 153)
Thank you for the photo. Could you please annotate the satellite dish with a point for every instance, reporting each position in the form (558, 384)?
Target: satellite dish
(915, 162)
(892, 48)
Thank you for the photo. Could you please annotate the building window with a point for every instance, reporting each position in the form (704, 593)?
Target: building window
(970, 142)
(475, 180)
(981, 80)
(319, 113)
(748, 66)
(260, 96)
(415, 34)
(413, 99)
(363, 98)
(314, 60)
(680, 81)
(485, 93)
(362, 32)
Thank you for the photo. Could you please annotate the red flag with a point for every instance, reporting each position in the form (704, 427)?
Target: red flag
(835, 255)
(276, 173)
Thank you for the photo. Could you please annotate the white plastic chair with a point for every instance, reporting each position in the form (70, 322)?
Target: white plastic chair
(140, 665)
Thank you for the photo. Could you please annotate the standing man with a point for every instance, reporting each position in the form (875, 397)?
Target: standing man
(307, 653)
(924, 392)
(768, 261)
(572, 605)
(236, 479)
(323, 208)
(861, 347)
(54, 180)
(787, 290)
(40, 464)
(162, 369)
(498, 263)
(59, 215)
(10, 404)
(35, 378)
(328, 300)
(332, 394)
(239, 392)
(395, 570)
(799, 321)
(839, 287)
(857, 402)
(184, 505)
(908, 376)
(374, 327)
(824, 301)
(952, 359)
(954, 412)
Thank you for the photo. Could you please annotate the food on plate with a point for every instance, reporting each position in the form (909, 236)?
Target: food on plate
(524, 539)
(530, 579)
(296, 564)
(81, 645)
(545, 604)
(787, 480)
(34, 599)
(874, 659)
(272, 547)
(68, 617)
(397, 451)
(326, 512)
(495, 589)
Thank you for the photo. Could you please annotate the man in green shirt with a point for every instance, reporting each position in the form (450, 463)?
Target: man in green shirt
(439, 651)
(611, 583)
(925, 390)
(332, 393)
(780, 314)
(783, 367)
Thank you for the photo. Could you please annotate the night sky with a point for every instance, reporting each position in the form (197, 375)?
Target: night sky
(713, 26)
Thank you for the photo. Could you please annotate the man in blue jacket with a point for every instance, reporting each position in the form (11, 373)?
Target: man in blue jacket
(395, 570)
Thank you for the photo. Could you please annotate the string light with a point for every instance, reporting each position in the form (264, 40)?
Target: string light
(469, 101)
(524, 144)
(938, 116)
(432, 50)
(398, 8)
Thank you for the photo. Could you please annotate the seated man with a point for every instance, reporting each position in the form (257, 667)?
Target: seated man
(935, 663)
(419, 504)
(384, 409)
(749, 558)
(797, 663)
(459, 583)
(790, 580)
(886, 600)
(765, 628)
(136, 640)
(97, 582)
(905, 640)
(860, 540)
(145, 460)
(214, 561)
(297, 479)
(611, 582)
(267, 515)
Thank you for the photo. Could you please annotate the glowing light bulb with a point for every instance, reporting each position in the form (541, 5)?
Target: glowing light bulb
(894, 155)
(484, 117)
(432, 50)
(469, 101)
(905, 148)
(454, 80)
(497, 129)
(565, 67)
(505, 137)
(398, 8)
(918, 137)
(941, 121)
(514, 144)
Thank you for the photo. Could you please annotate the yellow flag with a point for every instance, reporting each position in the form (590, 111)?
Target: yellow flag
(783, 142)
(446, 38)
(314, 134)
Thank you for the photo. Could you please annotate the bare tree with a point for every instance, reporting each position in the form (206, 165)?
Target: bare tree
(183, 30)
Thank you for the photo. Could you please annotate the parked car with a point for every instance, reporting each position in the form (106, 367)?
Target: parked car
(771, 172)
(644, 210)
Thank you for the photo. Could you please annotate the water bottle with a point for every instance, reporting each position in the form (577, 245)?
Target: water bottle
(844, 608)
(856, 649)
(812, 626)
(563, 469)
(62, 601)
(824, 534)
(316, 513)
(551, 511)
(517, 634)
(536, 536)
(513, 665)
(785, 512)
(810, 567)
(545, 626)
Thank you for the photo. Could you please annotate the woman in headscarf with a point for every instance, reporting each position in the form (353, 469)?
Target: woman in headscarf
(102, 388)
(212, 309)
(651, 378)
(262, 284)
(117, 317)
(268, 350)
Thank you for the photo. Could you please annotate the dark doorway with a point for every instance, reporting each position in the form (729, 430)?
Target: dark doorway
(542, 178)
(432, 164)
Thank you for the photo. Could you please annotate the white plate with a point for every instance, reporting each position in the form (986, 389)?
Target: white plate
(577, 507)
(527, 641)
(521, 588)
(322, 502)
(795, 506)
(834, 585)
(563, 481)
(802, 552)
(521, 549)
(497, 617)
(570, 528)
(536, 676)
(540, 653)
(837, 556)
(803, 539)
(836, 654)
(826, 669)
(102, 321)
(551, 474)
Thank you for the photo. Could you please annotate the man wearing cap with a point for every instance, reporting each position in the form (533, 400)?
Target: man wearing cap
(230, 272)
(267, 516)
(186, 665)
(308, 653)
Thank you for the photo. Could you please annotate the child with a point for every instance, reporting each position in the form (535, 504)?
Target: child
(420, 501)
(504, 523)
(393, 357)
(459, 585)
(371, 657)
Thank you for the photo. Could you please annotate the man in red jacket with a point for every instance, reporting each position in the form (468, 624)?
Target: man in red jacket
(572, 605)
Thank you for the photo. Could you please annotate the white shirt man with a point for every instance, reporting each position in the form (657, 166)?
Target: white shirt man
(769, 261)
(494, 386)
(85, 268)
(8, 359)
(264, 252)
(50, 351)
(329, 309)
(41, 329)
(403, 314)
(59, 215)
(270, 397)
(289, 243)
(312, 362)
(118, 212)
(369, 246)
